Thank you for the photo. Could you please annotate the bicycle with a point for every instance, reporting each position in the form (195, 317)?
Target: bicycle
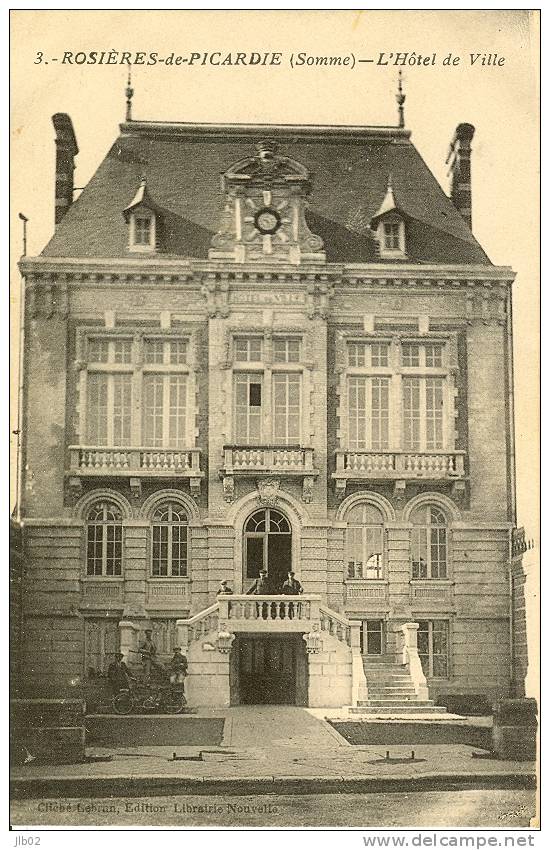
(168, 698)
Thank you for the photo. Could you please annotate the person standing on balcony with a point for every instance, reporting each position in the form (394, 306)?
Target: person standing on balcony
(292, 587)
(224, 588)
(261, 587)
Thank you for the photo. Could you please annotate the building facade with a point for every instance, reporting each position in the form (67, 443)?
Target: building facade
(274, 347)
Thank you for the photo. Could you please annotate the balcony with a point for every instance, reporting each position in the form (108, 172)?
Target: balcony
(243, 613)
(399, 467)
(267, 461)
(134, 463)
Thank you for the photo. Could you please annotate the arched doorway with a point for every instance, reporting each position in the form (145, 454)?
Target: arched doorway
(267, 545)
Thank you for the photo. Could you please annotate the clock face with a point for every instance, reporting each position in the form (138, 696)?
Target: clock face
(267, 220)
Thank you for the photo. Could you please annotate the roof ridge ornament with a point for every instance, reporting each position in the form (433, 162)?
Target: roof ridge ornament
(400, 98)
(129, 95)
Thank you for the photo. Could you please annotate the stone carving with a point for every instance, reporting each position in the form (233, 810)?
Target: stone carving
(268, 489)
(228, 483)
(264, 211)
(224, 642)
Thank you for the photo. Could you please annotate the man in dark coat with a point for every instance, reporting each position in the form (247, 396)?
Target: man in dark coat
(178, 667)
(261, 586)
(291, 587)
(118, 674)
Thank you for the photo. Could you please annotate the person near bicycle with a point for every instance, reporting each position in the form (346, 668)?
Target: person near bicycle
(178, 667)
(118, 674)
(148, 656)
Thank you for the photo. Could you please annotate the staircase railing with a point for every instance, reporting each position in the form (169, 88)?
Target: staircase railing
(348, 631)
(410, 656)
(198, 626)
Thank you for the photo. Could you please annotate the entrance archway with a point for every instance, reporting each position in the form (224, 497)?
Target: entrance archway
(267, 544)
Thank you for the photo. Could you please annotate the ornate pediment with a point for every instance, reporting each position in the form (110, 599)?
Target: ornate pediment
(264, 213)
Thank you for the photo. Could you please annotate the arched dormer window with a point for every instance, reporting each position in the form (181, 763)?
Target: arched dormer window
(429, 543)
(364, 542)
(143, 218)
(104, 540)
(169, 555)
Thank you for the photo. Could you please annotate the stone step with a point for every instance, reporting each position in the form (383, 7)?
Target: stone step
(409, 708)
(373, 689)
(379, 659)
(398, 701)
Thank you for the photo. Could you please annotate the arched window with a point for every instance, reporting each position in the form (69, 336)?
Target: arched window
(104, 540)
(268, 545)
(429, 542)
(364, 542)
(169, 550)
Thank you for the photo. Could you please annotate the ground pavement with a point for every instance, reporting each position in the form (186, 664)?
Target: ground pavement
(271, 749)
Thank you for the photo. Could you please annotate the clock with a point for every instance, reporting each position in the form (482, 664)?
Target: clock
(267, 220)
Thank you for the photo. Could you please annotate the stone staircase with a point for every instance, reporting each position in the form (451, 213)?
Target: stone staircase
(390, 690)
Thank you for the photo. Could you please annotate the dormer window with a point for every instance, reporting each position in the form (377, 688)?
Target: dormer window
(142, 230)
(389, 227)
(391, 237)
(142, 216)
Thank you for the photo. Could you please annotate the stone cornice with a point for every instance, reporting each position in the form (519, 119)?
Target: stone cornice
(172, 271)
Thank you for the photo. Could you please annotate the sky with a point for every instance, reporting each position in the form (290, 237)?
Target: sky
(500, 100)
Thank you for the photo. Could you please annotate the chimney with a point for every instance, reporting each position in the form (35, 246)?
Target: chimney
(66, 150)
(458, 160)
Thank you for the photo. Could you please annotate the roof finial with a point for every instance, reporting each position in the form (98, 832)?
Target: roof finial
(400, 98)
(129, 95)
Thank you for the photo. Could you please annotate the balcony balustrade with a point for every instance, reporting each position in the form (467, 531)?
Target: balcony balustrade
(398, 466)
(244, 613)
(276, 461)
(134, 463)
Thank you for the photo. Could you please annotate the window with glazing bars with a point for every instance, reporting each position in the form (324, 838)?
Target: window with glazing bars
(423, 414)
(169, 542)
(429, 543)
(364, 542)
(164, 410)
(433, 647)
(368, 413)
(104, 540)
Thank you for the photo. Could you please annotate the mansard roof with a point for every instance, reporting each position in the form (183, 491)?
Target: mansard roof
(349, 168)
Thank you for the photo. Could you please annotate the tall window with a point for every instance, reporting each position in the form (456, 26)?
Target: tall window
(113, 383)
(169, 549)
(364, 542)
(423, 414)
(267, 401)
(248, 407)
(267, 545)
(433, 647)
(369, 413)
(104, 540)
(429, 543)
(286, 407)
